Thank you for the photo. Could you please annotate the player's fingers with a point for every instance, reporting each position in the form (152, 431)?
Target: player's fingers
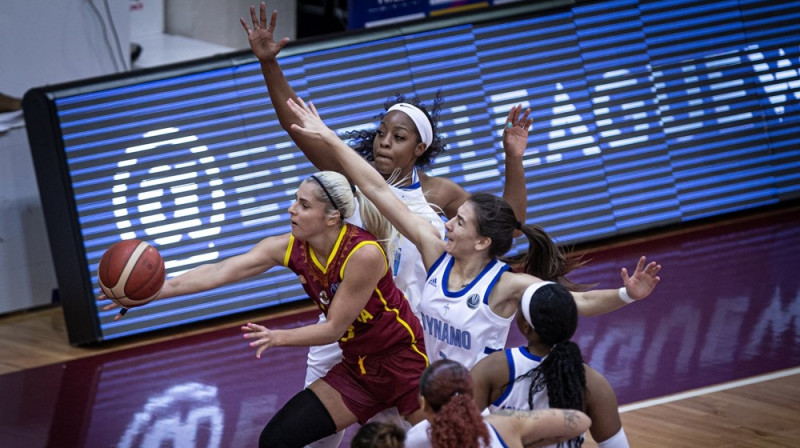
(313, 109)
(121, 313)
(273, 19)
(641, 263)
(283, 43)
(511, 118)
(253, 17)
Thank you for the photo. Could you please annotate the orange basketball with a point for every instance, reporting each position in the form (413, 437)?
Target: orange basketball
(131, 273)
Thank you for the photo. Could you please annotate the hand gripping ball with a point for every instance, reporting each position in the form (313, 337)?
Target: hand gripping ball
(131, 273)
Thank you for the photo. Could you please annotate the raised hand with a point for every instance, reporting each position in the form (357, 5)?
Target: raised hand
(644, 279)
(310, 122)
(515, 133)
(261, 37)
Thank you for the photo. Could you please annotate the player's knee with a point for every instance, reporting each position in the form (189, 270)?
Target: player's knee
(272, 436)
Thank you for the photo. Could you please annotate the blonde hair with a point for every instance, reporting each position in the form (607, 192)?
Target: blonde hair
(335, 190)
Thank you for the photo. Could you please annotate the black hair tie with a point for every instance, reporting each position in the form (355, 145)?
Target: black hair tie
(330, 198)
(518, 225)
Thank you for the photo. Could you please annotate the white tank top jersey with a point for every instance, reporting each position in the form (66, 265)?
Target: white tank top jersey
(409, 271)
(495, 441)
(515, 395)
(459, 325)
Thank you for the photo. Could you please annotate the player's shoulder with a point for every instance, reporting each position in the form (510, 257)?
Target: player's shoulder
(367, 252)
(443, 192)
(438, 182)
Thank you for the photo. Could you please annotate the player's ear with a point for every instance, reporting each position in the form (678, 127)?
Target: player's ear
(423, 404)
(483, 242)
(334, 217)
(420, 149)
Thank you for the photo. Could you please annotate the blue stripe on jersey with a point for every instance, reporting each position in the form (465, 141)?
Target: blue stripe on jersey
(500, 439)
(494, 281)
(512, 375)
(526, 353)
(436, 264)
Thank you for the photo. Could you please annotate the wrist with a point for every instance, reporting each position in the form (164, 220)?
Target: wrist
(623, 295)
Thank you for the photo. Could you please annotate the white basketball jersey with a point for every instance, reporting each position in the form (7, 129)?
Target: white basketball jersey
(459, 325)
(495, 441)
(515, 396)
(409, 271)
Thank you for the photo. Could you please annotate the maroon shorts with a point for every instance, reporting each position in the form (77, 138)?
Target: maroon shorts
(380, 381)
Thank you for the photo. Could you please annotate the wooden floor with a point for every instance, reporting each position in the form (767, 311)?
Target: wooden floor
(759, 411)
(763, 414)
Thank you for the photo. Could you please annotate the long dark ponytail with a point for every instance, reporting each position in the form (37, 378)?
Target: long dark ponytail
(554, 316)
(544, 258)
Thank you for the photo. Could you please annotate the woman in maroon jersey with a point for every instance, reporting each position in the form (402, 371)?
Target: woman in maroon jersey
(345, 270)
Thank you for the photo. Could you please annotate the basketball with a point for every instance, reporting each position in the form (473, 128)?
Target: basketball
(131, 273)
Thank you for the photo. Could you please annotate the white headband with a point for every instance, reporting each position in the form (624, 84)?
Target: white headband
(420, 121)
(525, 303)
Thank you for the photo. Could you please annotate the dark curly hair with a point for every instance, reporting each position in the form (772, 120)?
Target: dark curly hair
(362, 141)
(554, 317)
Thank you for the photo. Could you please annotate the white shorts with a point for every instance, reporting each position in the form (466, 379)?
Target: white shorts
(321, 358)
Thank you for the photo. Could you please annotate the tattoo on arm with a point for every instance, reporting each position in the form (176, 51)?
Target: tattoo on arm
(570, 419)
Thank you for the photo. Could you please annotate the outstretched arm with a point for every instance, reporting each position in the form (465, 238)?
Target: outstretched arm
(515, 139)
(540, 427)
(414, 227)
(263, 256)
(635, 287)
(266, 49)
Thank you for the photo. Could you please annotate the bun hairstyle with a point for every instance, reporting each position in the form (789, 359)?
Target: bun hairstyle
(447, 388)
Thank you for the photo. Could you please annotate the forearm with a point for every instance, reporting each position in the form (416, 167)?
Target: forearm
(597, 302)
(515, 191)
(310, 335)
(201, 278)
(369, 181)
(279, 92)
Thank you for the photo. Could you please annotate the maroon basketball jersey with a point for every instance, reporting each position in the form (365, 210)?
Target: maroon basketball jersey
(385, 321)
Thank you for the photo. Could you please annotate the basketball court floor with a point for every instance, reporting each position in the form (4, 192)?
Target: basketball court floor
(727, 309)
